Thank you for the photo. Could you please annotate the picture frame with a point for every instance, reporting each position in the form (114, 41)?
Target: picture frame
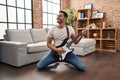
(100, 15)
(94, 14)
(88, 6)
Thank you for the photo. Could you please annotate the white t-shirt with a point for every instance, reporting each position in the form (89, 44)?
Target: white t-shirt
(59, 34)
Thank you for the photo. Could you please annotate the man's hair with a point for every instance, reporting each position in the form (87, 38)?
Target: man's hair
(65, 14)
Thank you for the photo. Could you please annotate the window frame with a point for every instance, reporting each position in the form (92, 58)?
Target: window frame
(26, 8)
(49, 14)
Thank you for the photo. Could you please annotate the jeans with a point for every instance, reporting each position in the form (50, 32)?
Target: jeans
(70, 58)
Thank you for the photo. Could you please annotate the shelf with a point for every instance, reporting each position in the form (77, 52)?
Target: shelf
(98, 22)
(108, 45)
(80, 28)
(84, 9)
(96, 18)
(109, 50)
(98, 44)
(94, 33)
(84, 13)
(96, 38)
(103, 42)
(109, 33)
(109, 28)
(110, 39)
(83, 19)
(105, 37)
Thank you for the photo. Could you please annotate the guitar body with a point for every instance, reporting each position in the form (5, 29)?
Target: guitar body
(68, 50)
(61, 56)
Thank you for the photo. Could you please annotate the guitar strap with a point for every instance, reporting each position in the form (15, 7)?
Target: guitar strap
(67, 31)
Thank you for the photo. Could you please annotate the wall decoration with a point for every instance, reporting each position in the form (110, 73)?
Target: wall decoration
(88, 6)
(94, 14)
(100, 15)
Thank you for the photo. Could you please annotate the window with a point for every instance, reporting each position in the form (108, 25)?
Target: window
(50, 11)
(15, 14)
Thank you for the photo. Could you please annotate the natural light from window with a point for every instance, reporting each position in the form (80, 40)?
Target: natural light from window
(15, 14)
(50, 11)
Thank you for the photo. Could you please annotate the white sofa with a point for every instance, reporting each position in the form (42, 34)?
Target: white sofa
(23, 46)
(84, 47)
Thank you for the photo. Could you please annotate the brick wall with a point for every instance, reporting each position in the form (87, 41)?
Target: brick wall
(37, 13)
(65, 4)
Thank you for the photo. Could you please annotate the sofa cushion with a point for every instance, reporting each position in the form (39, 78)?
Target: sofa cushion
(38, 35)
(83, 51)
(37, 47)
(21, 35)
(85, 42)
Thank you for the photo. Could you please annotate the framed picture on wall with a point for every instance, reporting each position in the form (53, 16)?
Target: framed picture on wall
(88, 6)
(94, 14)
(100, 15)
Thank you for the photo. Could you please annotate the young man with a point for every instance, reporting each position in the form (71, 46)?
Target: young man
(57, 35)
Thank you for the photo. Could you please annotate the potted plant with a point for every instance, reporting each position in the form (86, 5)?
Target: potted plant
(108, 25)
(71, 20)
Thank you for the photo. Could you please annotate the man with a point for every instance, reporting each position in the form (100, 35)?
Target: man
(57, 35)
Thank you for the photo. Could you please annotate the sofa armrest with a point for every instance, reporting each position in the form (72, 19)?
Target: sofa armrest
(13, 53)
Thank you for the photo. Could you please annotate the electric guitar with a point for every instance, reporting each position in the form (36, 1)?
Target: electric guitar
(66, 46)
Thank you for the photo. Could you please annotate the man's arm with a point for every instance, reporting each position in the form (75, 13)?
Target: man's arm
(51, 46)
(79, 38)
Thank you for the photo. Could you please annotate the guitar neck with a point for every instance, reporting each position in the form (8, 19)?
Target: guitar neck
(72, 41)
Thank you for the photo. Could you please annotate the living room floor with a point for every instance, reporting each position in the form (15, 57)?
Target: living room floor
(100, 66)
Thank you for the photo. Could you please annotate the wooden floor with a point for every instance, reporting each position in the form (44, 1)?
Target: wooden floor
(100, 66)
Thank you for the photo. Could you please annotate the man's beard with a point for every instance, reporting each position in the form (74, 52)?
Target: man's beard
(59, 21)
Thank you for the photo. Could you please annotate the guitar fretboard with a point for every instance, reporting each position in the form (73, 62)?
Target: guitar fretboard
(72, 41)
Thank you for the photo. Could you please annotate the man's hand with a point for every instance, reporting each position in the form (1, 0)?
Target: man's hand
(60, 50)
(84, 32)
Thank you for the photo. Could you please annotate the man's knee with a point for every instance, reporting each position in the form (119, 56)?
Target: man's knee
(83, 68)
(39, 66)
